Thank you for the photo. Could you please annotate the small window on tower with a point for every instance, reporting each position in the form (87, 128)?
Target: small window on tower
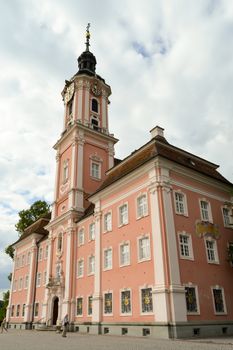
(94, 105)
(95, 123)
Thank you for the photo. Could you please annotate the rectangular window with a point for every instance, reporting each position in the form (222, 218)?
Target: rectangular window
(108, 259)
(211, 251)
(142, 206)
(146, 300)
(23, 260)
(108, 303)
(45, 277)
(15, 285)
(90, 305)
(17, 310)
(46, 252)
(36, 309)
(108, 222)
(23, 310)
(40, 254)
(180, 203)
(95, 170)
(226, 217)
(219, 306)
(29, 258)
(80, 268)
(79, 306)
(12, 310)
(205, 215)
(125, 302)
(81, 237)
(124, 254)
(185, 245)
(144, 248)
(191, 299)
(92, 231)
(123, 215)
(91, 265)
(26, 282)
(20, 283)
(38, 279)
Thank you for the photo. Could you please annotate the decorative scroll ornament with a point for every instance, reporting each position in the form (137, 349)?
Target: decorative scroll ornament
(204, 228)
(95, 89)
(69, 93)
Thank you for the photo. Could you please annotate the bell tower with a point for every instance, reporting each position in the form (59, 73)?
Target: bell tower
(85, 150)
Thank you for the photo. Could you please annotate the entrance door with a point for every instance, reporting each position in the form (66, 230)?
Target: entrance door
(55, 310)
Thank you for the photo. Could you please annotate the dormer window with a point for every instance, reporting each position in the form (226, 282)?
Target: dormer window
(94, 105)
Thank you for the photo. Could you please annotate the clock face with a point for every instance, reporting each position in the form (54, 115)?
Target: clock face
(69, 93)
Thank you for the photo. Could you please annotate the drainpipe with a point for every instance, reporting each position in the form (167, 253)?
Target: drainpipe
(34, 293)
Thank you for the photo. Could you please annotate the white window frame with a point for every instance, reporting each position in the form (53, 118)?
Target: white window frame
(81, 241)
(79, 297)
(26, 282)
(104, 293)
(107, 227)
(15, 285)
(17, 314)
(215, 250)
(131, 298)
(106, 268)
(177, 203)
(28, 258)
(38, 279)
(93, 173)
(20, 283)
(223, 298)
(92, 231)
(145, 206)
(120, 254)
(227, 222)
(40, 254)
(89, 296)
(123, 218)
(145, 236)
(210, 218)
(23, 260)
(190, 285)
(36, 303)
(140, 300)
(45, 278)
(80, 274)
(91, 271)
(46, 252)
(189, 244)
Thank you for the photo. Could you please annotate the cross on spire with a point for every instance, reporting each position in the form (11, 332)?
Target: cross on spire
(88, 35)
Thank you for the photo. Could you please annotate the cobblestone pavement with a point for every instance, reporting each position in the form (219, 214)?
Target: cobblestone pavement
(34, 340)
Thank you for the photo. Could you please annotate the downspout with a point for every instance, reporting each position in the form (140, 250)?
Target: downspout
(34, 294)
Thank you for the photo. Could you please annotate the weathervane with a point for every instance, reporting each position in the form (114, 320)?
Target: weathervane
(88, 35)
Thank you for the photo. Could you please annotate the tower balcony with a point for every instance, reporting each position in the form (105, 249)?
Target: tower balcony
(55, 282)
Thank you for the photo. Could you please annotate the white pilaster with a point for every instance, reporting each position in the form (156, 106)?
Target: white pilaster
(104, 111)
(31, 283)
(80, 102)
(56, 184)
(87, 103)
(110, 155)
(160, 291)
(97, 297)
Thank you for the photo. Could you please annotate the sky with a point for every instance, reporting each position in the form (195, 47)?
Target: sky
(168, 62)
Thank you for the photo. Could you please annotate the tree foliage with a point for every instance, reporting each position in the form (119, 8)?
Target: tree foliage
(4, 304)
(29, 216)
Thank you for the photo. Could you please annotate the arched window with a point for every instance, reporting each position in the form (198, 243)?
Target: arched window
(59, 243)
(94, 105)
(95, 122)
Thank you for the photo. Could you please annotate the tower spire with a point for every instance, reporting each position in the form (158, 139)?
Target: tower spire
(88, 35)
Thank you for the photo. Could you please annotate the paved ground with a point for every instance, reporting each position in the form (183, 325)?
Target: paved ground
(34, 340)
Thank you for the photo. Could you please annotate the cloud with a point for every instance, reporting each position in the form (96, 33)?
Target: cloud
(168, 63)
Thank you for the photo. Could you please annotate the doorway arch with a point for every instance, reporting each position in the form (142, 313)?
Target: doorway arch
(55, 310)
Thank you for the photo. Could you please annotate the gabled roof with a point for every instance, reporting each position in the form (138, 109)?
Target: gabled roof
(159, 146)
(36, 227)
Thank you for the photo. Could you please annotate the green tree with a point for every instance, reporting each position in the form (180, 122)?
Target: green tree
(4, 305)
(28, 217)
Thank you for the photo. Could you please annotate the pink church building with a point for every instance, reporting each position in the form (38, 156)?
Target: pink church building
(136, 247)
